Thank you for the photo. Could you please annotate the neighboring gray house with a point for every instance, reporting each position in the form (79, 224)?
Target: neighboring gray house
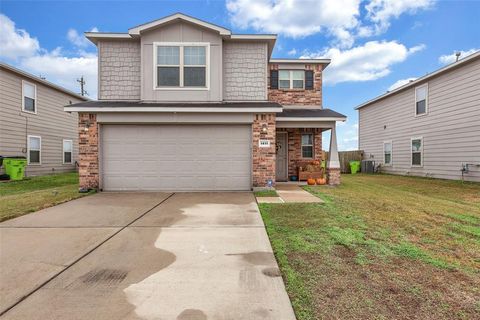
(187, 105)
(429, 127)
(33, 123)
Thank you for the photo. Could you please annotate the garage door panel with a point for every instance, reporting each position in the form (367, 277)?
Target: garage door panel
(176, 157)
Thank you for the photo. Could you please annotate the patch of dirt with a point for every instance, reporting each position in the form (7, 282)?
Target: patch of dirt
(192, 314)
(272, 272)
(396, 289)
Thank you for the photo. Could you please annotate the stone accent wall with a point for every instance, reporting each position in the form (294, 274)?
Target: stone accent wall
(298, 96)
(333, 176)
(244, 71)
(263, 159)
(88, 151)
(295, 147)
(119, 70)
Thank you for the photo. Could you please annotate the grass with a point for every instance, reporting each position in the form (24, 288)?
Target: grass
(381, 247)
(31, 194)
(266, 193)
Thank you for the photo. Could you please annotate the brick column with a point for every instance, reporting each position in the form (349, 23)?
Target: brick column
(333, 163)
(263, 159)
(88, 151)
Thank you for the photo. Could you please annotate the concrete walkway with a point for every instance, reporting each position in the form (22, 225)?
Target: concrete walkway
(292, 192)
(142, 256)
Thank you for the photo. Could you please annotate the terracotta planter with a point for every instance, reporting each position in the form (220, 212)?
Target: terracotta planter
(321, 181)
(311, 181)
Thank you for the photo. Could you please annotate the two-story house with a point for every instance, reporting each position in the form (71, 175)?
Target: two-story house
(427, 127)
(186, 105)
(33, 124)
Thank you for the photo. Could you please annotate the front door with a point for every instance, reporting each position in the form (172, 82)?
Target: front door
(282, 152)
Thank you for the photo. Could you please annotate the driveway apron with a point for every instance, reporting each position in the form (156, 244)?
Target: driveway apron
(180, 256)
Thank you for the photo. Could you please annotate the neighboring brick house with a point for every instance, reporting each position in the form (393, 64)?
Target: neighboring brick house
(33, 124)
(187, 105)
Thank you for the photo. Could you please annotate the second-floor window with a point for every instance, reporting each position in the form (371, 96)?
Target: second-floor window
(182, 65)
(29, 96)
(421, 100)
(291, 79)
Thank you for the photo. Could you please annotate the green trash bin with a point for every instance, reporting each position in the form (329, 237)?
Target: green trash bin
(15, 167)
(354, 166)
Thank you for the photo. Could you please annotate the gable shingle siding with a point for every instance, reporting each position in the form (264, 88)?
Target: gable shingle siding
(119, 70)
(245, 71)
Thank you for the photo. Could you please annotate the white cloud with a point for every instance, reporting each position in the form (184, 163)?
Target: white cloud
(450, 58)
(79, 40)
(297, 18)
(15, 43)
(26, 53)
(63, 70)
(380, 12)
(400, 83)
(292, 52)
(347, 137)
(370, 61)
(341, 19)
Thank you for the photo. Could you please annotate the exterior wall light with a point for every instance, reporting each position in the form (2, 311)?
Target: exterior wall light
(264, 128)
(87, 125)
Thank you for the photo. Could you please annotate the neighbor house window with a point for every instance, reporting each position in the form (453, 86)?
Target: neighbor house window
(29, 96)
(417, 152)
(307, 145)
(182, 65)
(291, 79)
(387, 153)
(67, 151)
(34, 147)
(421, 99)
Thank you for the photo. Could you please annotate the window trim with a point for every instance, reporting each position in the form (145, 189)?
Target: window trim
(39, 150)
(425, 85)
(307, 145)
(421, 153)
(181, 45)
(63, 151)
(23, 97)
(290, 79)
(391, 153)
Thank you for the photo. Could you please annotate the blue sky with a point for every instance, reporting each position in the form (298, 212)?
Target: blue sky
(372, 44)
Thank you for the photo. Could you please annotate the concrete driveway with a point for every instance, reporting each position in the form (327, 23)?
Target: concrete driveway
(142, 256)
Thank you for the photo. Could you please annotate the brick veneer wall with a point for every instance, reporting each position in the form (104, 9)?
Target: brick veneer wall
(263, 159)
(295, 147)
(244, 71)
(119, 70)
(88, 151)
(298, 96)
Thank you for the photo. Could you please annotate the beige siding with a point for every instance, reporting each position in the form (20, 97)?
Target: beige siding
(50, 122)
(450, 130)
(245, 71)
(181, 32)
(119, 70)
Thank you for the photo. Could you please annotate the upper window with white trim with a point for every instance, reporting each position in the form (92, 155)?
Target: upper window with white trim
(34, 147)
(387, 153)
(29, 97)
(67, 151)
(417, 152)
(182, 65)
(291, 79)
(421, 100)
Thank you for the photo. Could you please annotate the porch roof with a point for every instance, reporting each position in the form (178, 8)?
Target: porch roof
(292, 114)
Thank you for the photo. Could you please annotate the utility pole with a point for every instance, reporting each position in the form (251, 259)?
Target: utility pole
(82, 82)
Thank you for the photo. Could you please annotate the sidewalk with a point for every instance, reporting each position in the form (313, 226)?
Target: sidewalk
(289, 192)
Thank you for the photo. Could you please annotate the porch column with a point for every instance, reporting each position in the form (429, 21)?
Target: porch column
(333, 164)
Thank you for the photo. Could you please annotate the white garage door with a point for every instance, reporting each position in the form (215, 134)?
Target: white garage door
(176, 157)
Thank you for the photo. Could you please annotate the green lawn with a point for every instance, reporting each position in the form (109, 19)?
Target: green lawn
(266, 193)
(31, 194)
(381, 247)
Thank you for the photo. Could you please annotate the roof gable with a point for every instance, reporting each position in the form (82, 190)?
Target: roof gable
(135, 31)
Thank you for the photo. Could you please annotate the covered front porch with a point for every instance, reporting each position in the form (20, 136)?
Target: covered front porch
(299, 153)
